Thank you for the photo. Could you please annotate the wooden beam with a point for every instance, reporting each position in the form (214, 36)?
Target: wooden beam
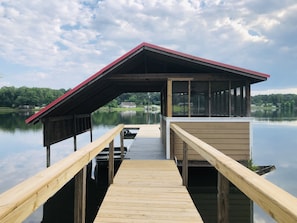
(189, 98)
(80, 197)
(172, 152)
(74, 134)
(242, 102)
(91, 130)
(122, 145)
(169, 98)
(185, 164)
(230, 100)
(111, 163)
(223, 199)
(248, 99)
(174, 76)
(278, 203)
(209, 99)
(48, 155)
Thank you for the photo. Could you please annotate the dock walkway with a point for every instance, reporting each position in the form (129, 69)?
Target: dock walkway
(147, 188)
(147, 191)
(147, 144)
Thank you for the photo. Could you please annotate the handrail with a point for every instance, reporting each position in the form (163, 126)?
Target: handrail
(20, 201)
(278, 203)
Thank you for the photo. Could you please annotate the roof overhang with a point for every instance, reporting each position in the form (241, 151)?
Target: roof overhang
(146, 68)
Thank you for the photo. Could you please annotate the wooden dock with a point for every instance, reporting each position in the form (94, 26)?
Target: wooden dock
(147, 143)
(147, 191)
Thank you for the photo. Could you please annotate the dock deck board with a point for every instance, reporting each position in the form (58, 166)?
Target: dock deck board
(147, 191)
(147, 144)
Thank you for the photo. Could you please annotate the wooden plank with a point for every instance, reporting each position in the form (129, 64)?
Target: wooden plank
(147, 143)
(147, 191)
(147, 171)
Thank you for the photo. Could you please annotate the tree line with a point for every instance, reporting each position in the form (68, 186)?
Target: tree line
(24, 96)
(37, 97)
(286, 102)
(140, 99)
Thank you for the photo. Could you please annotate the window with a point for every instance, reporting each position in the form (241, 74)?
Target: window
(199, 98)
(180, 105)
(205, 98)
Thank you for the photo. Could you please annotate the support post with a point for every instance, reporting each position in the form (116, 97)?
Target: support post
(74, 143)
(74, 133)
(185, 164)
(91, 130)
(48, 155)
(242, 105)
(248, 99)
(230, 100)
(111, 163)
(189, 98)
(169, 98)
(223, 199)
(171, 146)
(209, 99)
(122, 144)
(80, 196)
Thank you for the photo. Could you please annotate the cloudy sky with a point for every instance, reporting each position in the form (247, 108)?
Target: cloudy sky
(60, 43)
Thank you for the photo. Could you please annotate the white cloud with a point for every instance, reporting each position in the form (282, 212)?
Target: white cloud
(275, 91)
(73, 39)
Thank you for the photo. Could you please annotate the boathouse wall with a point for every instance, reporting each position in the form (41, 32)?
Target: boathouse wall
(232, 137)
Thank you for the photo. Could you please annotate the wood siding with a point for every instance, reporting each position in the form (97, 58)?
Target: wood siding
(231, 138)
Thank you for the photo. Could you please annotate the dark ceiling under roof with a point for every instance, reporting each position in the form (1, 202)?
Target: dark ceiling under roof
(145, 68)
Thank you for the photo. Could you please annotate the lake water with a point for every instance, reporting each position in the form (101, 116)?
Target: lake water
(22, 153)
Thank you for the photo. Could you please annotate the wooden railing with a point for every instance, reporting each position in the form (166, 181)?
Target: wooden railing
(20, 201)
(278, 203)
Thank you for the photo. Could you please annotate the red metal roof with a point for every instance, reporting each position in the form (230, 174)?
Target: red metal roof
(143, 46)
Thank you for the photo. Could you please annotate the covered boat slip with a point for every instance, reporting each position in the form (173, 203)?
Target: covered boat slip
(190, 88)
(147, 191)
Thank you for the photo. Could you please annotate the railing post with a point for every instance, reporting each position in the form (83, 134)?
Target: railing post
(122, 144)
(111, 163)
(223, 199)
(185, 164)
(80, 196)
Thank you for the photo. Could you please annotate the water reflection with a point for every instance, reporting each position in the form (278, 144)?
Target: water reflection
(274, 142)
(275, 115)
(203, 190)
(11, 122)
